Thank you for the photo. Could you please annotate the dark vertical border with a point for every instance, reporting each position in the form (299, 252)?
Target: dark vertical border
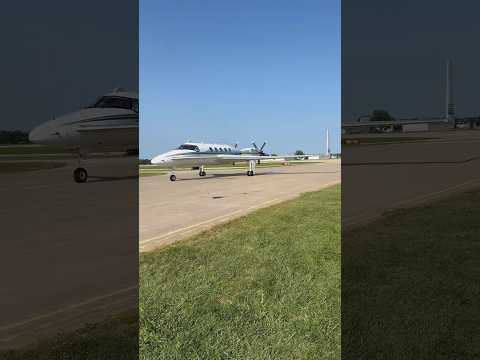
(69, 251)
(410, 180)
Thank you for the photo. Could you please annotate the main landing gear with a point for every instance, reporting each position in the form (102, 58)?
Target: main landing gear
(202, 171)
(80, 175)
(251, 167)
(173, 177)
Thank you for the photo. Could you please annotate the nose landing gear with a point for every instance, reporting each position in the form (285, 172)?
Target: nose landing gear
(80, 175)
(202, 171)
(173, 177)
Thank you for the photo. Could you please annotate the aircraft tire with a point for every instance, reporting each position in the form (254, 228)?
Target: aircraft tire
(202, 173)
(173, 178)
(80, 175)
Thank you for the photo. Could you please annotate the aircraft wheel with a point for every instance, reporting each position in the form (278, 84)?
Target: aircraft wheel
(202, 173)
(249, 173)
(173, 178)
(80, 175)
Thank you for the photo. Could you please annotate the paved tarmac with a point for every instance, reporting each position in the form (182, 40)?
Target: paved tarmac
(377, 178)
(171, 211)
(68, 251)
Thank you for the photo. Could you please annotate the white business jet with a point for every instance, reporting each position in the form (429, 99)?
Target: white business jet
(199, 155)
(110, 124)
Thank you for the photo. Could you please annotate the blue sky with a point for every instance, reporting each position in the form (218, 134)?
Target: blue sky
(228, 71)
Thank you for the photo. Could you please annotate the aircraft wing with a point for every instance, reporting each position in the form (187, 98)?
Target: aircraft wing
(243, 157)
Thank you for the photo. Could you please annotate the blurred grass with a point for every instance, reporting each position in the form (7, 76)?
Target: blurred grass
(410, 283)
(114, 339)
(23, 166)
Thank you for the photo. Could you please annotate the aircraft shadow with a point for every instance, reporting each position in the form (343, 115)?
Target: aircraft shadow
(94, 179)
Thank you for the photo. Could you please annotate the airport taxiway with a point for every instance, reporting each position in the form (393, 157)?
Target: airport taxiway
(382, 177)
(171, 211)
(68, 251)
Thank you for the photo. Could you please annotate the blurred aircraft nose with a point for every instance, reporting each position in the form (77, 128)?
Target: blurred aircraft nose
(35, 135)
(44, 134)
(157, 159)
(160, 160)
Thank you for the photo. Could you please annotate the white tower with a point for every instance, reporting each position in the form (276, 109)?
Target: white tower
(328, 145)
(449, 104)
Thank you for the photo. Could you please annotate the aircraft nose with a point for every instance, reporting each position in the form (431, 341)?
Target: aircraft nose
(44, 134)
(36, 135)
(159, 160)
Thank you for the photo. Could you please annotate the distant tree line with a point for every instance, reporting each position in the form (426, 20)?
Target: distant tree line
(378, 115)
(13, 137)
(144, 161)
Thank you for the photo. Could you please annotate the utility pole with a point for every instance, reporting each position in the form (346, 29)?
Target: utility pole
(450, 108)
(328, 145)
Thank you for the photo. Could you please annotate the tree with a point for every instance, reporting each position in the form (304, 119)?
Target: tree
(299, 152)
(381, 115)
(13, 137)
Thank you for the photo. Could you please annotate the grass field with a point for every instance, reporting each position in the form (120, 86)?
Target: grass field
(265, 286)
(151, 172)
(23, 166)
(410, 283)
(113, 339)
(352, 141)
(31, 149)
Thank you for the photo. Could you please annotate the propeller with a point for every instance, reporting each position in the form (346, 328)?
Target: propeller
(260, 151)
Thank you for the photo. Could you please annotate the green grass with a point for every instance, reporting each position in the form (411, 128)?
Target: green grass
(31, 149)
(153, 172)
(113, 339)
(410, 283)
(265, 286)
(23, 166)
(382, 140)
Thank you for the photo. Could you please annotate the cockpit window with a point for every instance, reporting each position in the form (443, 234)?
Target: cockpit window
(210, 148)
(117, 102)
(188, 147)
